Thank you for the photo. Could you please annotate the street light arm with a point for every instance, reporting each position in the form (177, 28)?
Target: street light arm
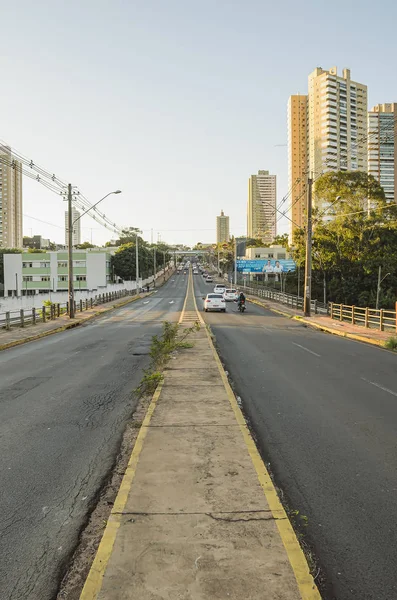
(94, 205)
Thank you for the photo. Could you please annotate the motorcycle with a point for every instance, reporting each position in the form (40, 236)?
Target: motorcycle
(241, 305)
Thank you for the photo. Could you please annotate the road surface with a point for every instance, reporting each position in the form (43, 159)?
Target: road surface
(64, 402)
(324, 410)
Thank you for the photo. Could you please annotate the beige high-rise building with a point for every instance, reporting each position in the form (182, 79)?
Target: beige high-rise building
(222, 228)
(297, 157)
(335, 128)
(10, 200)
(382, 147)
(76, 227)
(261, 209)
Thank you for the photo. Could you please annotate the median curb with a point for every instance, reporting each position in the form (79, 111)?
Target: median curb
(318, 327)
(44, 334)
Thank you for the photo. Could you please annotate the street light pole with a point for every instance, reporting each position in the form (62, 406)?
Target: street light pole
(308, 261)
(137, 264)
(379, 284)
(71, 224)
(155, 266)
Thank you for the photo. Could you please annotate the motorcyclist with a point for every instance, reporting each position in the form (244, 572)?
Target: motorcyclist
(241, 299)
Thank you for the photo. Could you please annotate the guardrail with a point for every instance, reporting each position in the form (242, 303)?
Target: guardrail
(49, 312)
(371, 318)
(287, 299)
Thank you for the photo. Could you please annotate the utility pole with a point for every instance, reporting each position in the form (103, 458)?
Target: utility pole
(308, 261)
(379, 284)
(137, 265)
(70, 254)
(235, 262)
(154, 265)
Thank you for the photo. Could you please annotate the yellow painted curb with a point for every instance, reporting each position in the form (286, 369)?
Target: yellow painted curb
(344, 334)
(44, 334)
(93, 583)
(306, 584)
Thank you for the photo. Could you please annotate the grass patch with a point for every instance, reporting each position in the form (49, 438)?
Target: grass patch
(161, 348)
(391, 343)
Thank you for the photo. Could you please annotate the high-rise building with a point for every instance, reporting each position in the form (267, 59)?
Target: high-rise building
(76, 227)
(335, 128)
(10, 200)
(222, 228)
(261, 209)
(297, 157)
(382, 147)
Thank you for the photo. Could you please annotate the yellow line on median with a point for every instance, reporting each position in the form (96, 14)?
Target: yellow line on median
(306, 584)
(93, 583)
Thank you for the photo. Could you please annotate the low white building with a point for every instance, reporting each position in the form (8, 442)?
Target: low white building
(276, 252)
(31, 273)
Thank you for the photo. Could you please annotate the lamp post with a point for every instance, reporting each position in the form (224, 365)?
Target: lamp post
(71, 223)
(379, 284)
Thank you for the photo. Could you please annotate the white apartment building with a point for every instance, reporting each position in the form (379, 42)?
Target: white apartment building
(261, 208)
(382, 143)
(76, 227)
(10, 200)
(222, 228)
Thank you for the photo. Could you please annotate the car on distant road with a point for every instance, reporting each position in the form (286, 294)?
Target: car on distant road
(195, 272)
(230, 295)
(214, 302)
(209, 279)
(219, 288)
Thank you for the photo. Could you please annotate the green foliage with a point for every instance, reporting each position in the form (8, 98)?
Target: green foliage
(255, 243)
(348, 250)
(85, 246)
(391, 343)
(281, 240)
(124, 261)
(149, 383)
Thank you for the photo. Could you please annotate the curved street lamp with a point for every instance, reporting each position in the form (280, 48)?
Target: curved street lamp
(70, 244)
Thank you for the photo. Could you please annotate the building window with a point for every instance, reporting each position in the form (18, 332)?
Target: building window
(27, 265)
(45, 265)
(81, 278)
(62, 277)
(79, 263)
(62, 263)
(27, 278)
(46, 278)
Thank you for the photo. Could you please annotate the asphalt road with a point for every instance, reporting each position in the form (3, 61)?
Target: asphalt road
(64, 401)
(324, 410)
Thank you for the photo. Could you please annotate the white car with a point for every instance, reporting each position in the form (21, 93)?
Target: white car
(230, 295)
(209, 279)
(214, 302)
(219, 288)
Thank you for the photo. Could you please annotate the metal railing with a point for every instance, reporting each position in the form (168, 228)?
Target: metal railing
(290, 300)
(371, 318)
(51, 311)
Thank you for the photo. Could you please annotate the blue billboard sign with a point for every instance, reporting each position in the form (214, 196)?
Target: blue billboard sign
(267, 266)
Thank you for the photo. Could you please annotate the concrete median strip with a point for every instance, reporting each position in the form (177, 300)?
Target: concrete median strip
(197, 515)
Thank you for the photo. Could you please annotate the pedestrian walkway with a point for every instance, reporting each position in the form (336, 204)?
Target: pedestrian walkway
(20, 335)
(341, 328)
(197, 516)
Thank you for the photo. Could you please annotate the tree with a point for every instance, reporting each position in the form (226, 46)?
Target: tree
(256, 243)
(348, 250)
(281, 240)
(85, 246)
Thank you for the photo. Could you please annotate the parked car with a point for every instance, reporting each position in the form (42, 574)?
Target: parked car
(209, 279)
(230, 295)
(214, 302)
(219, 288)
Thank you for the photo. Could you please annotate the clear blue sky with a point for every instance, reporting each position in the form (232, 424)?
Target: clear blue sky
(173, 101)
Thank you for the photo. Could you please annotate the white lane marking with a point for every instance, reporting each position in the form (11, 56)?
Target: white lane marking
(307, 350)
(147, 302)
(381, 387)
(172, 302)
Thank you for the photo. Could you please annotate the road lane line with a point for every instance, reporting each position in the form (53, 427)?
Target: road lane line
(306, 584)
(381, 387)
(306, 349)
(94, 580)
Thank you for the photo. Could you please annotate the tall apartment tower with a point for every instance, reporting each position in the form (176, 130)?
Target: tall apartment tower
(10, 200)
(222, 228)
(382, 147)
(297, 157)
(335, 128)
(76, 228)
(261, 209)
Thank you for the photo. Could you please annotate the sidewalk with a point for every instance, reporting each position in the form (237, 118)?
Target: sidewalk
(324, 323)
(197, 516)
(21, 335)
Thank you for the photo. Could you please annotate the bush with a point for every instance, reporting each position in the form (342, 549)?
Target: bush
(391, 343)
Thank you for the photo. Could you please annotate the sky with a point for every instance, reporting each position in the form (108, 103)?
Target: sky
(174, 102)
